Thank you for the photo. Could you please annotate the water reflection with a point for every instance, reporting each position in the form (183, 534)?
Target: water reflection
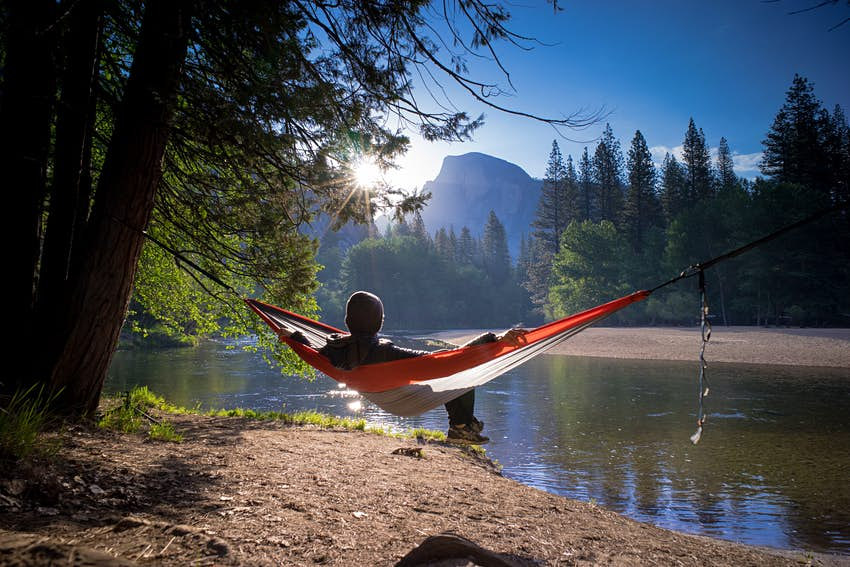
(770, 470)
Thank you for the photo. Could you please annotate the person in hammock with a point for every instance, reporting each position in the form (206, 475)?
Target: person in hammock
(364, 317)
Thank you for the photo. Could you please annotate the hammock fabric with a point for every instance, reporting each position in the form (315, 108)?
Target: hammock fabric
(413, 386)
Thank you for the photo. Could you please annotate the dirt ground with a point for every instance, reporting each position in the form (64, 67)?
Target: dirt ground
(239, 492)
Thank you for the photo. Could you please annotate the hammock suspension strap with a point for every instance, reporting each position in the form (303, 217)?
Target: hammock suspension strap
(705, 330)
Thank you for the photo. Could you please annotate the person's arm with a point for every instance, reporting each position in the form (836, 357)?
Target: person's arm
(283, 332)
(389, 351)
(481, 339)
(513, 337)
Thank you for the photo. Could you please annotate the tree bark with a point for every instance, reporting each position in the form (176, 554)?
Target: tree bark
(74, 126)
(25, 117)
(103, 268)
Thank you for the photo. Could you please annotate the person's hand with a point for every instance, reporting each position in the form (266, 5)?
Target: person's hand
(514, 337)
(297, 336)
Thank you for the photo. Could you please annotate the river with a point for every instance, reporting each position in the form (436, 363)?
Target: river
(771, 468)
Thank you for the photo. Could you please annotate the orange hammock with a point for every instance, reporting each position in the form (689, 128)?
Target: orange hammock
(415, 385)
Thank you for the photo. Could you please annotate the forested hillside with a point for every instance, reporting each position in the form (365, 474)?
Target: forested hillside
(610, 221)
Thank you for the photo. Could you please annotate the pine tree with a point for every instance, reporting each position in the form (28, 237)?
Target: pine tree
(401, 228)
(535, 270)
(524, 258)
(494, 250)
(442, 244)
(466, 247)
(572, 196)
(697, 163)
(838, 155)
(453, 243)
(795, 147)
(607, 170)
(672, 187)
(586, 188)
(418, 231)
(726, 178)
(642, 209)
(553, 210)
(558, 206)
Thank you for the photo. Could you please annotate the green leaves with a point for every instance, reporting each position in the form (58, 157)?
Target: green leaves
(588, 269)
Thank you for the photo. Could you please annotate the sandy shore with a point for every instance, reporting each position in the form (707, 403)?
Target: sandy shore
(749, 345)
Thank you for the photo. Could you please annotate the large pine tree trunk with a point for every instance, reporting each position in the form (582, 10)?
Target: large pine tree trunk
(25, 115)
(104, 265)
(70, 190)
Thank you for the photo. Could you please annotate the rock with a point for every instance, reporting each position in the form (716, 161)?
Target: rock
(410, 452)
(449, 549)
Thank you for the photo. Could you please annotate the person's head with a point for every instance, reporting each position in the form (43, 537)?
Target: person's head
(364, 313)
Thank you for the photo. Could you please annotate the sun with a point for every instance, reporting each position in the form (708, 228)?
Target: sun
(366, 172)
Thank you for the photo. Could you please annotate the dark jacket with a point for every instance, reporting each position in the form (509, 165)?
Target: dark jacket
(350, 351)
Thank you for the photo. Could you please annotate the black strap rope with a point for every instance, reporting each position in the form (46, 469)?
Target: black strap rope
(705, 330)
(695, 269)
(705, 325)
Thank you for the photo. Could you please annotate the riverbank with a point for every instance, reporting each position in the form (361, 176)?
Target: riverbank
(743, 345)
(239, 492)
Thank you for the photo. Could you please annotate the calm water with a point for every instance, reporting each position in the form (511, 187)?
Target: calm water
(772, 467)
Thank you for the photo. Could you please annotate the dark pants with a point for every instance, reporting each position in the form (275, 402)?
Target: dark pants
(461, 409)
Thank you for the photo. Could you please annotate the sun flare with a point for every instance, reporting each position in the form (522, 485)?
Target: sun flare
(366, 172)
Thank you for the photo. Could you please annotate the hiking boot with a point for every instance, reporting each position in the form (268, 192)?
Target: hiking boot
(476, 425)
(464, 435)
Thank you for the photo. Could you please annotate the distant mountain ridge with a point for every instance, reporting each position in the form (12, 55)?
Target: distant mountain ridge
(470, 185)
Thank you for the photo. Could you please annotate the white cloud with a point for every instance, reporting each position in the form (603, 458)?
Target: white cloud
(658, 153)
(745, 163)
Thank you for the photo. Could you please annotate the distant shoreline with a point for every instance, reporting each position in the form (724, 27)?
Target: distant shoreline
(745, 345)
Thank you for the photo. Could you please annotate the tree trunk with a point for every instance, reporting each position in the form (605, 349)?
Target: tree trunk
(103, 268)
(71, 180)
(73, 134)
(25, 116)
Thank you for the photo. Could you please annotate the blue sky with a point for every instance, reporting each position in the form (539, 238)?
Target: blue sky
(652, 65)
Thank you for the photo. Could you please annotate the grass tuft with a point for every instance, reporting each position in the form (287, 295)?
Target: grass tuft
(128, 416)
(327, 421)
(428, 434)
(125, 417)
(133, 412)
(298, 418)
(22, 422)
(164, 432)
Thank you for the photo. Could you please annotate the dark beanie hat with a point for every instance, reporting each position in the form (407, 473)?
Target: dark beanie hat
(364, 313)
